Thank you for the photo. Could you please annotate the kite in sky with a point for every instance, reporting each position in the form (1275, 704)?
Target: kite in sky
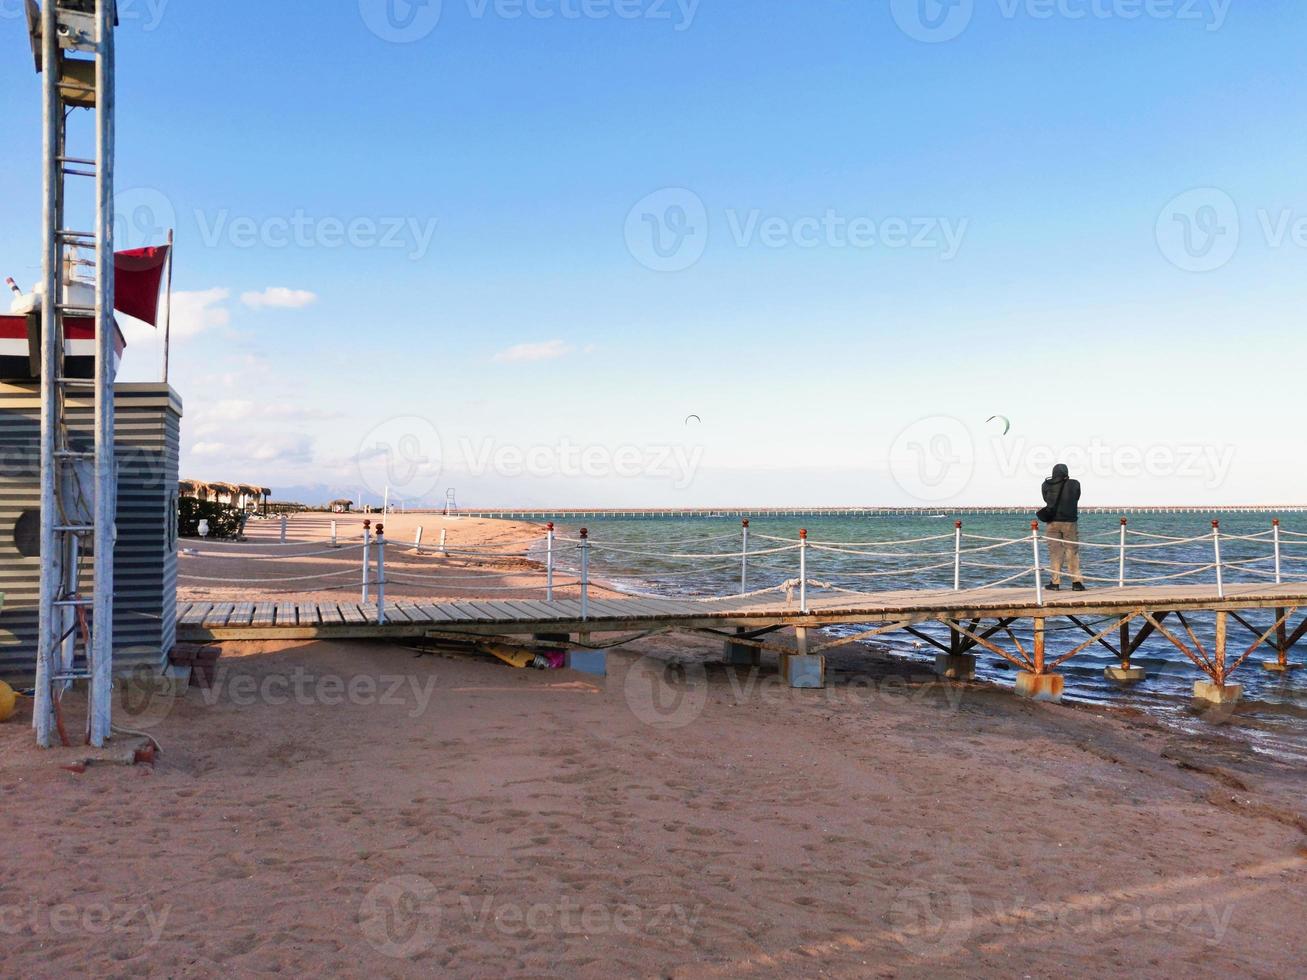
(1007, 423)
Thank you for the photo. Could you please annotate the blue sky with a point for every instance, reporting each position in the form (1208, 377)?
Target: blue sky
(534, 238)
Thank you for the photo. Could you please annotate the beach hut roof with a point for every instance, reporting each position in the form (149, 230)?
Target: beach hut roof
(225, 487)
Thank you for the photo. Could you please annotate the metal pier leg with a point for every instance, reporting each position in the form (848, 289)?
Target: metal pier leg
(1039, 685)
(1216, 691)
(955, 665)
(1125, 674)
(1283, 644)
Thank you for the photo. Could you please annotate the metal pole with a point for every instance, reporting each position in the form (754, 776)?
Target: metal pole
(585, 573)
(1216, 547)
(549, 562)
(167, 309)
(1275, 534)
(1039, 572)
(283, 528)
(744, 557)
(803, 570)
(106, 329)
(1120, 573)
(51, 573)
(333, 535)
(443, 552)
(381, 574)
(417, 540)
(367, 557)
(957, 556)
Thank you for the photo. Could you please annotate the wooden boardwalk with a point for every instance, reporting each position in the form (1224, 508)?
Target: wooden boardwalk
(202, 621)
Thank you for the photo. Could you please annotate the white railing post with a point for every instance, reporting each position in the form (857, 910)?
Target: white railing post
(443, 552)
(283, 528)
(417, 540)
(803, 570)
(381, 574)
(1120, 568)
(957, 556)
(585, 574)
(744, 556)
(333, 535)
(1216, 548)
(367, 557)
(549, 562)
(1039, 571)
(1275, 536)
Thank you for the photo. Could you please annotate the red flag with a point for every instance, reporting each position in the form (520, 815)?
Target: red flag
(138, 273)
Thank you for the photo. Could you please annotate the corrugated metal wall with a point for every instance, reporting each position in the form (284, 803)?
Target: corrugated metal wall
(148, 429)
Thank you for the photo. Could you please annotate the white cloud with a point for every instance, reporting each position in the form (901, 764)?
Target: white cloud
(544, 351)
(241, 409)
(279, 297)
(286, 448)
(195, 312)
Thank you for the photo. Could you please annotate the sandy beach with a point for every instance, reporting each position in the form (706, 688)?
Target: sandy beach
(366, 809)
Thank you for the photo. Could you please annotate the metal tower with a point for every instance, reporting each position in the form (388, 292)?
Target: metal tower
(78, 492)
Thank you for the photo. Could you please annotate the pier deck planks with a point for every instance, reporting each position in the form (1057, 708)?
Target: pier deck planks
(205, 621)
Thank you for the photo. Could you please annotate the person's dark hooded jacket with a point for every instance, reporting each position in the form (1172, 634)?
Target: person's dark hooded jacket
(1062, 495)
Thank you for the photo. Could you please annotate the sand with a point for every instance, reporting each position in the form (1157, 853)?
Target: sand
(262, 568)
(363, 810)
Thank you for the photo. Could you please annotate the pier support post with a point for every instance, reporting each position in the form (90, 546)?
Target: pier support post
(741, 654)
(955, 665)
(801, 668)
(1280, 665)
(1125, 674)
(1038, 685)
(1216, 691)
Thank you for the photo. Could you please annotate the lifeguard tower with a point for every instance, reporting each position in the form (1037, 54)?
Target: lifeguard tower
(92, 483)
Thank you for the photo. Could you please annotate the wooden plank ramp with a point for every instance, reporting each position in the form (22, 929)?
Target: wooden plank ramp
(203, 621)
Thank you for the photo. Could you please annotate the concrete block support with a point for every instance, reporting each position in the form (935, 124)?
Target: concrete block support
(741, 654)
(1125, 675)
(803, 670)
(1209, 692)
(955, 666)
(1040, 687)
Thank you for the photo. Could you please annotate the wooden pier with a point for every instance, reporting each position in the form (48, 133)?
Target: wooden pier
(978, 618)
(573, 515)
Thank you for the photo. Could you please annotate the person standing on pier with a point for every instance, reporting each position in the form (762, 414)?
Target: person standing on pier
(1061, 514)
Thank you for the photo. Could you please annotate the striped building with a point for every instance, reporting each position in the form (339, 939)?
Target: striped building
(147, 437)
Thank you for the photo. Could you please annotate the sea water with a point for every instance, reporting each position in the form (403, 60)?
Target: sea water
(629, 554)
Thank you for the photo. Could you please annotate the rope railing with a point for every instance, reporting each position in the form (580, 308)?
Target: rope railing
(840, 567)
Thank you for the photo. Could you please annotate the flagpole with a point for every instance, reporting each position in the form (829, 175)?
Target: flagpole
(167, 311)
